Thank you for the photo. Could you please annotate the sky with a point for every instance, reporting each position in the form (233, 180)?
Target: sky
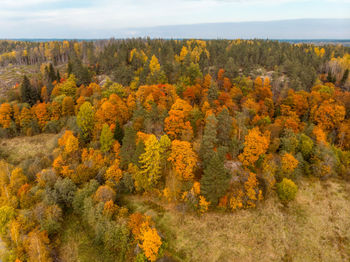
(104, 18)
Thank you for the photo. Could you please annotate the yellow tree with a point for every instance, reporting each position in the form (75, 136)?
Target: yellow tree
(151, 242)
(176, 124)
(255, 145)
(329, 114)
(183, 159)
(36, 246)
(68, 106)
(41, 114)
(113, 174)
(288, 163)
(5, 115)
(150, 161)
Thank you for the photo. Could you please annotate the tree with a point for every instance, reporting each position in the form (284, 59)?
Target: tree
(26, 118)
(105, 193)
(214, 181)
(151, 242)
(113, 174)
(183, 159)
(209, 139)
(305, 146)
(286, 190)
(255, 145)
(28, 93)
(37, 246)
(68, 106)
(329, 114)
(68, 142)
(85, 121)
(176, 124)
(112, 110)
(5, 115)
(288, 163)
(41, 113)
(44, 95)
(106, 138)
(118, 133)
(6, 215)
(128, 148)
(64, 191)
(150, 161)
(224, 127)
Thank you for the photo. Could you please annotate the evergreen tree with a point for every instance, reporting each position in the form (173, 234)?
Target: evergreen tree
(224, 127)
(128, 148)
(28, 94)
(209, 139)
(58, 76)
(118, 133)
(214, 181)
(213, 93)
(51, 73)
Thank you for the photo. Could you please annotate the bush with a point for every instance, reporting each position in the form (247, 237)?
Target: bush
(286, 190)
(53, 126)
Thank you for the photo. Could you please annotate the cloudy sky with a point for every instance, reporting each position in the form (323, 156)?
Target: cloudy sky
(103, 18)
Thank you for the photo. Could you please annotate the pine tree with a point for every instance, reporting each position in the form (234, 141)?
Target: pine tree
(51, 73)
(224, 127)
(118, 133)
(58, 76)
(214, 181)
(128, 146)
(28, 93)
(209, 139)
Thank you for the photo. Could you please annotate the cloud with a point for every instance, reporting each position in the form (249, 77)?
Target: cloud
(102, 18)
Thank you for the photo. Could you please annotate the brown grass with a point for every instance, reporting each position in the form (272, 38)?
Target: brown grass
(20, 148)
(315, 227)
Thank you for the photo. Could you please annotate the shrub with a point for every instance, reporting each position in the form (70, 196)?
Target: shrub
(286, 190)
(53, 126)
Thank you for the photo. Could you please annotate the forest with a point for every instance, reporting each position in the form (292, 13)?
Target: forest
(142, 131)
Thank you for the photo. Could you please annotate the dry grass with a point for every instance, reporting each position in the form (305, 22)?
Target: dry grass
(20, 148)
(315, 227)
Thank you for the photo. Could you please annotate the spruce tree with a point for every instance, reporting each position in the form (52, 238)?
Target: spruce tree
(118, 133)
(209, 140)
(28, 94)
(224, 127)
(214, 181)
(128, 147)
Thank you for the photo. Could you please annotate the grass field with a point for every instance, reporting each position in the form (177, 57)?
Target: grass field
(17, 149)
(316, 227)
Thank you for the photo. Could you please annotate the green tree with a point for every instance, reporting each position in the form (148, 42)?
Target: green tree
(224, 127)
(209, 139)
(214, 181)
(128, 147)
(305, 146)
(286, 190)
(28, 94)
(118, 133)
